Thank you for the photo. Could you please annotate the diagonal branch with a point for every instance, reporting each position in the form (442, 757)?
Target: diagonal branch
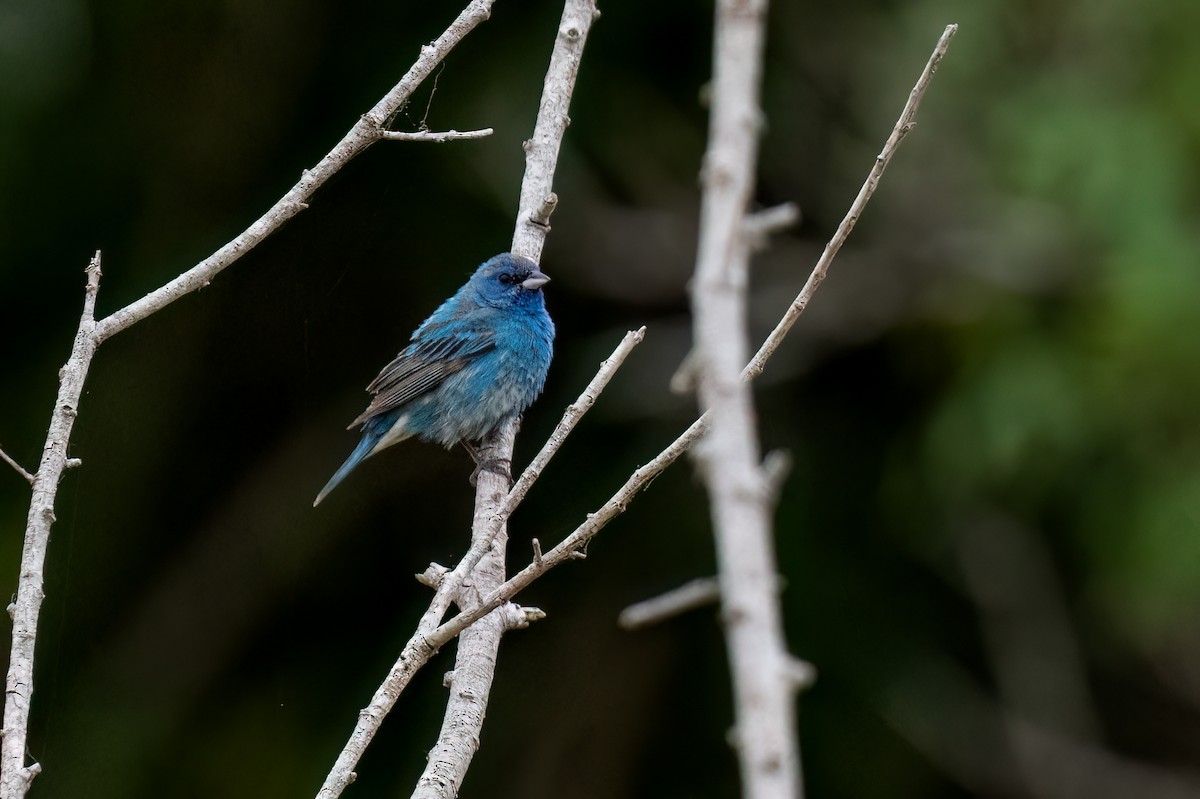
(906, 122)
(571, 417)
(366, 131)
(18, 467)
(693, 594)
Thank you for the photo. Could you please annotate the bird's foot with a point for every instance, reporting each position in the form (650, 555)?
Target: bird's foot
(500, 466)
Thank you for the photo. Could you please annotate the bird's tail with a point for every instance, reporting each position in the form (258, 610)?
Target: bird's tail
(356, 457)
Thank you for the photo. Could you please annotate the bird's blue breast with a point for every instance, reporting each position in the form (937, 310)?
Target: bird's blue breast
(494, 386)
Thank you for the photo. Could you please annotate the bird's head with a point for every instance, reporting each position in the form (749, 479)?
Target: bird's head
(507, 279)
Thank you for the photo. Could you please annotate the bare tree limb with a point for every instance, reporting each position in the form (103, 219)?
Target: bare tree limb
(18, 467)
(478, 647)
(15, 777)
(767, 739)
(693, 594)
(571, 417)
(759, 226)
(906, 122)
(484, 560)
(433, 135)
(366, 131)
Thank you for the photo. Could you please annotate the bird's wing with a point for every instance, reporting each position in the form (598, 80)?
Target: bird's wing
(437, 352)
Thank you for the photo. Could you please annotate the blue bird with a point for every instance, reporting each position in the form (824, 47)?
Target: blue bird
(479, 360)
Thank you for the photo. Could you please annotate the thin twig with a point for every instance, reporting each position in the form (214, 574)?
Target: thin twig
(759, 226)
(906, 122)
(570, 548)
(15, 777)
(434, 135)
(366, 131)
(571, 417)
(694, 594)
(18, 467)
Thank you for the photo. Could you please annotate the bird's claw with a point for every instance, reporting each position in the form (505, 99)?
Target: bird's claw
(500, 466)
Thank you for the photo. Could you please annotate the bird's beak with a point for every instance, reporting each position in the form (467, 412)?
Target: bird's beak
(535, 281)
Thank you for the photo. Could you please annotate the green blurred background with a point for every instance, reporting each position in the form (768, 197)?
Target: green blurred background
(991, 536)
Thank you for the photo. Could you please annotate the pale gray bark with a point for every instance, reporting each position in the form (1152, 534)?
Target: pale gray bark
(15, 776)
(765, 734)
(477, 646)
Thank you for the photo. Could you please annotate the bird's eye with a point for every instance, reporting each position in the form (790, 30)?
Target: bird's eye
(506, 278)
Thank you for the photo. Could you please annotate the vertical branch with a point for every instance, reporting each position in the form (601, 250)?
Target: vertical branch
(538, 199)
(765, 735)
(478, 645)
(15, 776)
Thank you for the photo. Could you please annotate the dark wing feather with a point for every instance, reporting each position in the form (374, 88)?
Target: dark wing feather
(423, 365)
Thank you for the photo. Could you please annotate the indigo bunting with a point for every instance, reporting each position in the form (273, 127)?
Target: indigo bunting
(479, 360)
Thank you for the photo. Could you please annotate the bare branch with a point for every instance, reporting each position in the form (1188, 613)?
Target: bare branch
(365, 132)
(775, 468)
(570, 548)
(434, 135)
(758, 227)
(691, 595)
(906, 122)
(15, 777)
(484, 559)
(19, 469)
(800, 673)
(451, 756)
(768, 746)
(538, 199)
(571, 417)
(433, 576)
(518, 617)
